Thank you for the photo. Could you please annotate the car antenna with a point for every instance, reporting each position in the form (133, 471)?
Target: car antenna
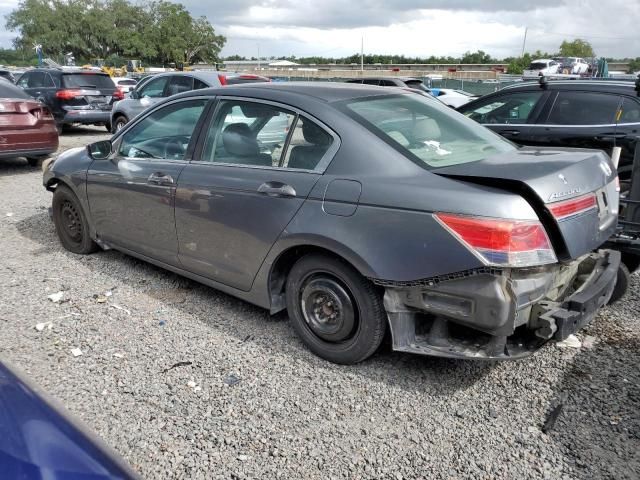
(543, 81)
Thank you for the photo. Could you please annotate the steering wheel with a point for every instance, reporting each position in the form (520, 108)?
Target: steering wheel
(174, 148)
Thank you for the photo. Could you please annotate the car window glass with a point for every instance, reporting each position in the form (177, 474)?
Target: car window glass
(165, 133)
(629, 111)
(23, 81)
(307, 145)
(371, 82)
(387, 83)
(36, 80)
(428, 133)
(583, 108)
(48, 81)
(507, 108)
(179, 84)
(154, 88)
(248, 133)
(199, 84)
(87, 79)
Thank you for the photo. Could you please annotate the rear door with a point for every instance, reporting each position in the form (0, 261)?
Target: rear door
(131, 195)
(579, 119)
(509, 114)
(238, 195)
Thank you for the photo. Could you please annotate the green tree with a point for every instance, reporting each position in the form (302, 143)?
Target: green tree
(476, 57)
(576, 48)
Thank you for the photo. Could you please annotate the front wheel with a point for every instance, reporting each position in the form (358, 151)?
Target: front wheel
(338, 314)
(119, 123)
(71, 223)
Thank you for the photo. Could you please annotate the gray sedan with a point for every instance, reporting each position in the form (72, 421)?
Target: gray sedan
(378, 211)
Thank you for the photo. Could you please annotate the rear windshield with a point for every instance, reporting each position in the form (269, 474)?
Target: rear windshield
(245, 79)
(537, 66)
(91, 80)
(8, 90)
(127, 82)
(429, 134)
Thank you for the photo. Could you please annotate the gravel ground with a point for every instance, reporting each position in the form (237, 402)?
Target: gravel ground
(186, 382)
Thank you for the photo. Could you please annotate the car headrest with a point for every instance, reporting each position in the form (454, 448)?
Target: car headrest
(314, 134)
(257, 110)
(238, 139)
(426, 129)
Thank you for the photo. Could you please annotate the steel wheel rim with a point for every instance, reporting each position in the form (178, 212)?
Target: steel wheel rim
(71, 222)
(328, 309)
(120, 125)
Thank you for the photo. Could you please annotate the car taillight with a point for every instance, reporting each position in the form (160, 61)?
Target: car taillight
(222, 78)
(118, 94)
(67, 94)
(573, 207)
(501, 242)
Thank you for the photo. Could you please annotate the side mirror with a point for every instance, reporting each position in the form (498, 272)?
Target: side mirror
(100, 150)
(133, 94)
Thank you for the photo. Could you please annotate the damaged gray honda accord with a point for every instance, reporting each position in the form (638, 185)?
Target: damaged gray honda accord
(369, 208)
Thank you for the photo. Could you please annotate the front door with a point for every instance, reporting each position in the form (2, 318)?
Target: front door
(255, 168)
(132, 195)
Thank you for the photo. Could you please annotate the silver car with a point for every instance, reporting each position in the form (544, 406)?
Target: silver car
(157, 87)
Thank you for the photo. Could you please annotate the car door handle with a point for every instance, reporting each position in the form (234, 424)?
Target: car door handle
(513, 133)
(277, 189)
(611, 136)
(159, 178)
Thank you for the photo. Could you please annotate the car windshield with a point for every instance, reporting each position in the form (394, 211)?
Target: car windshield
(92, 80)
(431, 135)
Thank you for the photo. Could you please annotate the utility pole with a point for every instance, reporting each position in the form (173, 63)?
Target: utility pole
(524, 42)
(362, 53)
(258, 56)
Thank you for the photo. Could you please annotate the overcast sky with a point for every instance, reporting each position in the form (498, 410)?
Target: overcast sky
(413, 27)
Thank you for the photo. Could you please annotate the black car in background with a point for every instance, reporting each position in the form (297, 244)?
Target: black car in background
(598, 114)
(7, 75)
(73, 96)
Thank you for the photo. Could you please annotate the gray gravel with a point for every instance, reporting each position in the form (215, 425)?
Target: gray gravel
(245, 399)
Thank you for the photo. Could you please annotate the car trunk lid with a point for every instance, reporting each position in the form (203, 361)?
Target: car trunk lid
(21, 114)
(572, 191)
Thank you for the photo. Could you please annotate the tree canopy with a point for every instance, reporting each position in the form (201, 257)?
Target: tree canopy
(576, 48)
(157, 31)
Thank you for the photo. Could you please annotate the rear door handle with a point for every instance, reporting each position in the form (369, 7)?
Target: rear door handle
(160, 178)
(277, 189)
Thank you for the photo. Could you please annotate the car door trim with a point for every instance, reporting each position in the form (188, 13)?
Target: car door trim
(322, 165)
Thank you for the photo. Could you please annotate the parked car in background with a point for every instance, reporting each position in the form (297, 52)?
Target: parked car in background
(568, 113)
(27, 127)
(541, 67)
(406, 82)
(73, 96)
(451, 97)
(156, 88)
(39, 439)
(125, 84)
(7, 75)
(382, 208)
(572, 65)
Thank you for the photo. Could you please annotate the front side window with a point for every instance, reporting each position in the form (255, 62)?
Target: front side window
(584, 108)
(165, 133)
(507, 108)
(430, 135)
(257, 134)
(154, 88)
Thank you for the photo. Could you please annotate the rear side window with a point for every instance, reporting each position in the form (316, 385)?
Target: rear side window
(370, 81)
(90, 80)
(428, 133)
(199, 84)
(629, 111)
(179, 84)
(584, 108)
(508, 108)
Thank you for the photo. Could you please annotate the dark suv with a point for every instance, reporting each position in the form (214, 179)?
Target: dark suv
(73, 96)
(565, 113)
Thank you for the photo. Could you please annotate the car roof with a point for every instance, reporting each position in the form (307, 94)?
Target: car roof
(621, 86)
(324, 91)
(402, 79)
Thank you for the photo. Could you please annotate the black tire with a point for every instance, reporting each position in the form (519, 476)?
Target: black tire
(36, 161)
(348, 320)
(622, 283)
(108, 126)
(59, 128)
(119, 123)
(631, 261)
(71, 222)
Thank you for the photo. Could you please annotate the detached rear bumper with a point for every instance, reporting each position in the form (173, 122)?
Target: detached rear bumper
(499, 314)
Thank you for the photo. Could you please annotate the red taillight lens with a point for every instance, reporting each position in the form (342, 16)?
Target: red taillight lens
(222, 78)
(67, 94)
(514, 243)
(118, 94)
(575, 206)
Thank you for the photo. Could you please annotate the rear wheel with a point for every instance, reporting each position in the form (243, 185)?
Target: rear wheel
(71, 223)
(119, 123)
(338, 314)
(36, 161)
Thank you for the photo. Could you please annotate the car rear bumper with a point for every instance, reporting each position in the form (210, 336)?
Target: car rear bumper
(499, 314)
(87, 116)
(31, 152)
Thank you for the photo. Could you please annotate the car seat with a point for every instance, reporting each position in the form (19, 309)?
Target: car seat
(240, 146)
(307, 156)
